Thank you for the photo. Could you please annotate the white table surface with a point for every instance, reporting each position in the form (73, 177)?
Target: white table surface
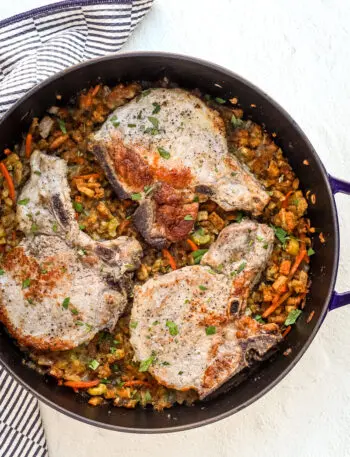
(298, 52)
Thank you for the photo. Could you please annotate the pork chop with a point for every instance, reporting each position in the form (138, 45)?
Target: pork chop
(49, 211)
(169, 141)
(50, 299)
(58, 286)
(184, 330)
(241, 252)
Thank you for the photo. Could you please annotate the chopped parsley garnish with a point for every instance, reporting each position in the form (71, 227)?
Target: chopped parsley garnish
(37, 172)
(112, 349)
(131, 126)
(62, 125)
(258, 318)
(152, 131)
(188, 217)
(265, 246)
(55, 227)
(180, 373)
(239, 269)
(74, 311)
(210, 330)
(310, 251)
(154, 121)
(65, 302)
(2, 272)
(34, 228)
(116, 124)
(173, 330)
(137, 196)
(80, 323)
(260, 238)
(239, 216)
(163, 153)
(195, 199)
(220, 100)
(26, 283)
(201, 287)
(104, 381)
(23, 202)
(281, 234)
(145, 92)
(155, 323)
(133, 324)
(156, 108)
(78, 207)
(145, 364)
(197, 255)
(235, 121)
(94, 364)
(148, 189)
(292, 317)
(81, 226)
(165, 363)
(147, 396)
(233, 174)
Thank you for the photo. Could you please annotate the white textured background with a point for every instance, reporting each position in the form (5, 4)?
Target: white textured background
(298, 51)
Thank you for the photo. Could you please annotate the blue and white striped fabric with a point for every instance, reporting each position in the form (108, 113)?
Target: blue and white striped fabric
(33, 46)
(36, 44)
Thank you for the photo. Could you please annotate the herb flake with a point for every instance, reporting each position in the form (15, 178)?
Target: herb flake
(164, 153)
(65, 302)
(292, 317)
(94, 364)
(210, 330)
(173, 330)
(23, 202)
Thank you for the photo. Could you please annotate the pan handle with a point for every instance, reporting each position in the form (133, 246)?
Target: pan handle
(338, 300)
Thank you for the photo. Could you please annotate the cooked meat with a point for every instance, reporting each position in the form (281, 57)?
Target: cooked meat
(241, 252)
(51, 299)
(165, 217)
(185, 327)
(49, 211)
(57, 262)
(184, 331)
(170, 139)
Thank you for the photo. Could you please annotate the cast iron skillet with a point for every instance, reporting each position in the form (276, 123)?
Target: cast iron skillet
(209, 78)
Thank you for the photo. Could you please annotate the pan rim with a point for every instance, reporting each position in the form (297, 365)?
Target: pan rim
(335, 222)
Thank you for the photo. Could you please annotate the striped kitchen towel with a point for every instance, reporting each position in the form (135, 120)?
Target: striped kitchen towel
(36, 44)
(33, 46)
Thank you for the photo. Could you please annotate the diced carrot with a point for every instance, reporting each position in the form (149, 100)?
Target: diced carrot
(287, 330)
(311, 315)
(299, 258)
(95, 90)
(285, 267)
(7, 151)
(286, 198)
(136, 382)
(88, 176)
(8, 178)
(28, 148)
(123, 225)
(192, 245)
(81, 384)
(276, 302)
(169, 258)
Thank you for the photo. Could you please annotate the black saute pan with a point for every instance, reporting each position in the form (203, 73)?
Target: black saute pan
(209, 78)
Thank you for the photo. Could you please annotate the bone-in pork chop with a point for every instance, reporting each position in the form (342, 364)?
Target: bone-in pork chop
(163, 147)
(59, 287)
(183, 330)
